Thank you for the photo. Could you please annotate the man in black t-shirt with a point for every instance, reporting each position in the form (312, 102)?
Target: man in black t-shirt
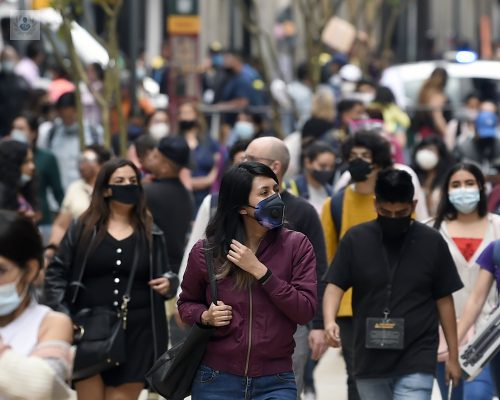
(403, 276)
(168, 200)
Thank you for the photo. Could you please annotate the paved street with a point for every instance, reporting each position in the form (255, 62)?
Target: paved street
(331, 378)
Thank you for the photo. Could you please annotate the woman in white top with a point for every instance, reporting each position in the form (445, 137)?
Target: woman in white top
(468, 228)
(35, 342)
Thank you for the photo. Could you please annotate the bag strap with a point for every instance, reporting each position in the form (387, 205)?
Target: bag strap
(496, 254)
(209, 260)
(336, 208)
(126, 297)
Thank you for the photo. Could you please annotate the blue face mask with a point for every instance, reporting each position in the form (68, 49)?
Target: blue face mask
(464, 200)
(244, 129)
(270, 212)
(9, 298)
(217, 60)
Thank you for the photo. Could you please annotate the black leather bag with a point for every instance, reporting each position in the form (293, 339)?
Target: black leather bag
(173, 373)
(100, 340)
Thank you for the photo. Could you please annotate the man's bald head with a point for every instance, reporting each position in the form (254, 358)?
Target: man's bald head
(267, 149)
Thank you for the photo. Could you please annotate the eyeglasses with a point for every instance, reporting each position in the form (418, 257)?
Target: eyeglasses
(249, 157)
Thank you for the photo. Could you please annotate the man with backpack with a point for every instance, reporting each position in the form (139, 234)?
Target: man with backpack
(63, 138)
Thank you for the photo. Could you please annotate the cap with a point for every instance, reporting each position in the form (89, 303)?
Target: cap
(176, 149)
(486, 124)
(351, 73)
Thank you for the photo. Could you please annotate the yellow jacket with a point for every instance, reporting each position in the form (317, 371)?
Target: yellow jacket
(356, 209)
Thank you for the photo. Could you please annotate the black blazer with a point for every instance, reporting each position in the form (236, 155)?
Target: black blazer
(67, 267)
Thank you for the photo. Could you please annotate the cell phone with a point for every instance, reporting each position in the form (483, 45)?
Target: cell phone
(450, 389)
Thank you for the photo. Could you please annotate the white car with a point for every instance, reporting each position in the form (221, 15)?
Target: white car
(405, 80)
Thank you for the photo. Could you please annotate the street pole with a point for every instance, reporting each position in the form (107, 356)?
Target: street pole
(134, 12)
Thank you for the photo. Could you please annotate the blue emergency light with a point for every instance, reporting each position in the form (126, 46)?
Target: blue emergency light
(465, 57)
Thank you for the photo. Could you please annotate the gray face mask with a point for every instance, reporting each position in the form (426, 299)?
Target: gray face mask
(70, 129)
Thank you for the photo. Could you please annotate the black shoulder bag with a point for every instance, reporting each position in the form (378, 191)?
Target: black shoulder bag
(100, 340)
(173, 373)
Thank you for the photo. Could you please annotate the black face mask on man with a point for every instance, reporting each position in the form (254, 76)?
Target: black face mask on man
(360, 169)
(394, 227)
(126, 194)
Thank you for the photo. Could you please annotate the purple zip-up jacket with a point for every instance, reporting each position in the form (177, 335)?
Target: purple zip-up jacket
(259, 339)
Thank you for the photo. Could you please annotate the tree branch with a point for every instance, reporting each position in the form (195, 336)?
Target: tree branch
(107, 9)
(92, 30)
(251, 27)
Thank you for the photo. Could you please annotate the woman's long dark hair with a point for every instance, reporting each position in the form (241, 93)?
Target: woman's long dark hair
(12, 156)
(98, 212)
(446, 210)
(446, 161)
(227, 223)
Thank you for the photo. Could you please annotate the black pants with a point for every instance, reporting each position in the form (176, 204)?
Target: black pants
(347, 338)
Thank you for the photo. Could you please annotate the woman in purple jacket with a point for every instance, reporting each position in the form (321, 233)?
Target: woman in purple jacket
(266, 286)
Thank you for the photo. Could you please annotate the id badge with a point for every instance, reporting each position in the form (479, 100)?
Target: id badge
(384, 333)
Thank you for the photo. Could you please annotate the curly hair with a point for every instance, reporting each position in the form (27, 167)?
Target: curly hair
(12, 156)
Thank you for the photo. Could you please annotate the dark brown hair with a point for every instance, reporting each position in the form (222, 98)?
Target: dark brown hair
(98, 213)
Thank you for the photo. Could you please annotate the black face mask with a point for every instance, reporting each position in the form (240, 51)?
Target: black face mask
(229, 71)
(394, 227)
(126, 194)
(323, 177)
(360, 169)
(187, 125)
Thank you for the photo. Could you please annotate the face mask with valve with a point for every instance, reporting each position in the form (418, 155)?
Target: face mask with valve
(270, 212)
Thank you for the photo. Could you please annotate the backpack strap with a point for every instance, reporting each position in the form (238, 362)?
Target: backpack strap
(95, 135)
(496, 254)
(301, 183)
(51, 134)
(291, 186)
(214, 200)
(336, 207)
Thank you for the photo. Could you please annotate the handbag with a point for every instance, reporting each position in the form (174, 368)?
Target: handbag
(100, 340)
(173, 373)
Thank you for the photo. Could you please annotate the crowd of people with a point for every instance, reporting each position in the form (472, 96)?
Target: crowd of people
(363, 218)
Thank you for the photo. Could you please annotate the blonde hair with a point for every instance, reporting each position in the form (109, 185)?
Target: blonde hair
(202, 122)
(323, 105)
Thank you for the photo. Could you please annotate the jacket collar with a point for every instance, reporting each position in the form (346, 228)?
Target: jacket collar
(156, 231)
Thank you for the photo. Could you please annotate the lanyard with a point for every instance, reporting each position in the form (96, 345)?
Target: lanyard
(392, 271)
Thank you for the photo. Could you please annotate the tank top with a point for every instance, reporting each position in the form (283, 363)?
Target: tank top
(22, 333)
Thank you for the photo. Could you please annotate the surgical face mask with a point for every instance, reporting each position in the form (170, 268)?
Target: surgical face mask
(470, 114)
(365, 98)
(360, 169)
(9, 297)
(8, 66)
(159, 130)
(426, 159)
(347, 87)
(25, 179)
(217, 60)
(270, 212)
(323, 177)
(465, 200)
(19, 136)
(394, 227)
(126, 194)
(140, 73)
(244, 129)
(73, 128)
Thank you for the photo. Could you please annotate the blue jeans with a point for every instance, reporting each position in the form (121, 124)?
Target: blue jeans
(210, 384)
(481, 388)
(410, 387)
